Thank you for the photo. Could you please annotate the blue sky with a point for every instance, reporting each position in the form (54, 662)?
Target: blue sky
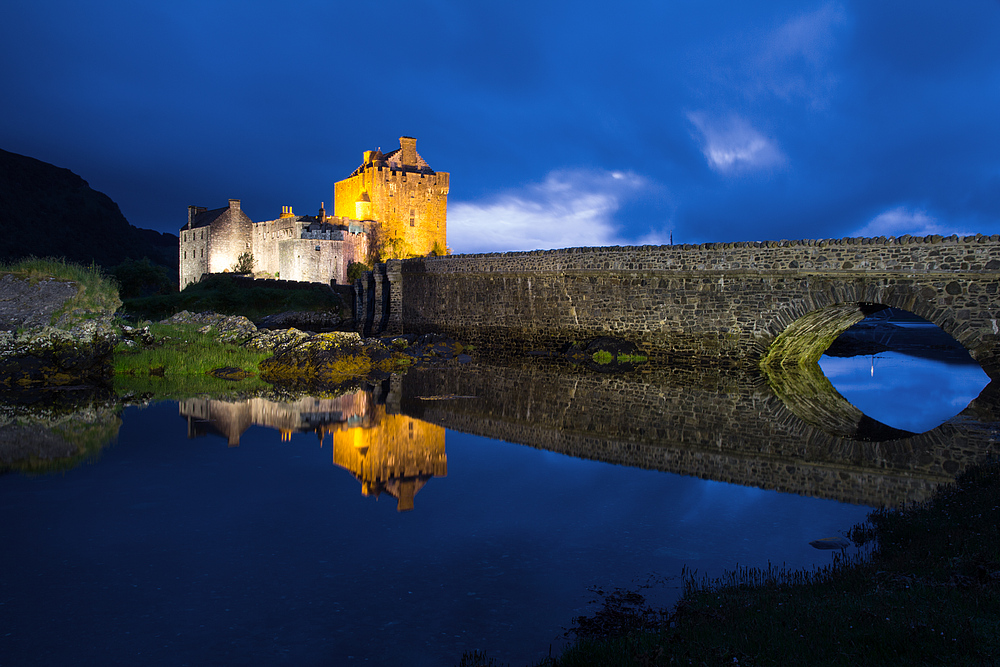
(561, 123)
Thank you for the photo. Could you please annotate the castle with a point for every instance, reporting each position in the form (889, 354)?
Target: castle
(394, 205)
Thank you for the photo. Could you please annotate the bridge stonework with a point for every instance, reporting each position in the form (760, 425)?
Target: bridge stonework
(776, 302)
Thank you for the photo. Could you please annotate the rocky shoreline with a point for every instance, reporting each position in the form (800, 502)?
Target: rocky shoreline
(46, 341)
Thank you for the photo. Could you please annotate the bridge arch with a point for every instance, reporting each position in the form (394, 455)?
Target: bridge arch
(804, 328)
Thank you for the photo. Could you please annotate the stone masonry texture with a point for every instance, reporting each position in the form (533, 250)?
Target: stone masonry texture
(725, 302)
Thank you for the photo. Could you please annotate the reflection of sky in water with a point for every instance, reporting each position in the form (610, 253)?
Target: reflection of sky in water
(910, 393)
(188, 551)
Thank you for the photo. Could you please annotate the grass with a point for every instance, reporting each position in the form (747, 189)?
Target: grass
(95, 290)
(603, 357)
(223, 294)
(926, 592)
(181, 351)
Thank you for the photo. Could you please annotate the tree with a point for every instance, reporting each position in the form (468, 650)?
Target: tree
(381, 246)
(142, 278)
(355, 270)
(244, 263)
(437, 250)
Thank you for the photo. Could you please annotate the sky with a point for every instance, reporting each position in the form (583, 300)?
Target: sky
(561, 123)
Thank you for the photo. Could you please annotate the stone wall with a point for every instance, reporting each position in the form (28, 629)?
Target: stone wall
(727, 301)
(192, 257)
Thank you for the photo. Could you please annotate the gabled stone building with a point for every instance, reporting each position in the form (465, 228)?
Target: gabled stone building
(400, 191)
(394, 201)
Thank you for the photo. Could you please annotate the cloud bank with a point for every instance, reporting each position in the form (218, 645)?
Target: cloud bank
(901, 220)
(568, 209)
(732, 145)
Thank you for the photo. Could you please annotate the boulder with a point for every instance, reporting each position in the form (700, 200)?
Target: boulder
(309, 321)
(46, 341)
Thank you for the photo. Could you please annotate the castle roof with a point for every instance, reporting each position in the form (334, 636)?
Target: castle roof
(206, 218)
(199, 217)
(393, 160)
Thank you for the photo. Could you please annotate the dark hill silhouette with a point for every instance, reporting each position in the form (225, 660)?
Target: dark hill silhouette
(48, 211)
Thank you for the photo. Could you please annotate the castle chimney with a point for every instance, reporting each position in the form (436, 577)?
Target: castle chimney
(322, 212)
(234, 204)
(408, 156)
(193, 212)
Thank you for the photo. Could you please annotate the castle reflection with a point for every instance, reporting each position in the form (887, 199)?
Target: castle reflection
(387, 453)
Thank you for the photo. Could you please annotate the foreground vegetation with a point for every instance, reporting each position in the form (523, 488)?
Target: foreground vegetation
(95, 290)
(225, 295)
(926, 590)
(181, 361)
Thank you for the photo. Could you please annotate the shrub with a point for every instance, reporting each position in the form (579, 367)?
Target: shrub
(244, 263)
(355, 270)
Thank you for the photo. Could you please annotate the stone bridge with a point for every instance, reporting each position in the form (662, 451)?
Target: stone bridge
(774, 303)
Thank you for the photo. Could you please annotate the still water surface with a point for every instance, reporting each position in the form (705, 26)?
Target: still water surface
(225, 534)
(910, 393)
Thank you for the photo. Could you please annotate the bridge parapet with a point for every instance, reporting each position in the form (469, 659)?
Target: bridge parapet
(894, 254)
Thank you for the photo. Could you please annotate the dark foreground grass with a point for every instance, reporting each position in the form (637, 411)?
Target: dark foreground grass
(225, 295)
(926, 590)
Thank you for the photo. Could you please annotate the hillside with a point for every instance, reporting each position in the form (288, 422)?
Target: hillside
(50, 211)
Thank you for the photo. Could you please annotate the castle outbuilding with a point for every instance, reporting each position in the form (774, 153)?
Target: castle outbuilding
(394, 205)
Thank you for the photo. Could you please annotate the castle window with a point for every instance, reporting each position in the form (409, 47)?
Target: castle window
(412, 223)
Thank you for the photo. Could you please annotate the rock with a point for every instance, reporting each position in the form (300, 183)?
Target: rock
(310, 321)
(27, 305)
(229, 373)
(605, 354)
(42, 343)
(830, 543)
(326, 359)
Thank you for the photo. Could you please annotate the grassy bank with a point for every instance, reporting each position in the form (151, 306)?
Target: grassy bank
(927, 592)
(95, 290)
(222, 294)
(179, 362)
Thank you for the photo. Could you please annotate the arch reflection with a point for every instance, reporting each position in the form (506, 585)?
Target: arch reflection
(903, 371)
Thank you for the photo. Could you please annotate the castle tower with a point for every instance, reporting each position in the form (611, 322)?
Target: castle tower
(400, 191)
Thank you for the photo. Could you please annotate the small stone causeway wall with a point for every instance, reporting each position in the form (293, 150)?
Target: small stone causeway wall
(726, 301)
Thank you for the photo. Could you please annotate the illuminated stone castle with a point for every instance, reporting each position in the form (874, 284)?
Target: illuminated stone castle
(394, 205)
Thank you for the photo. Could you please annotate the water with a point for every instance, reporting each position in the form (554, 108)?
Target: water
(369, 528)
(921, 380)
(903, 391)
